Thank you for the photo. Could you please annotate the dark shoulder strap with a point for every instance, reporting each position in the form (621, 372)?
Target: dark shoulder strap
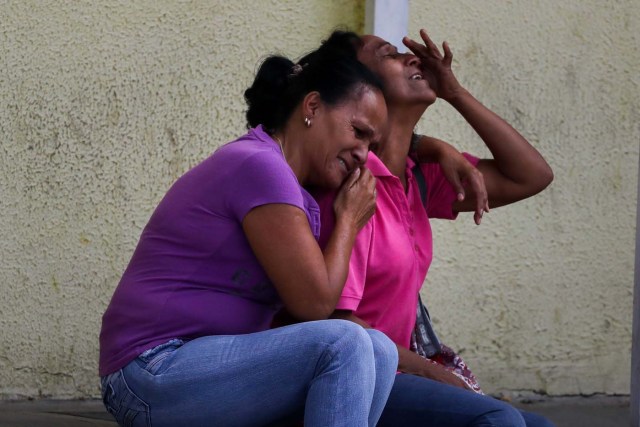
(424, 339)
(422, 184)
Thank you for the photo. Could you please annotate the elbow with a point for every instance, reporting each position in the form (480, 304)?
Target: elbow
(537, 180)
(315, 301)
(545, 177)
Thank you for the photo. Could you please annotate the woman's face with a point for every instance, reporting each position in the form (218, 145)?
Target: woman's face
(400, 72)
(339, 136)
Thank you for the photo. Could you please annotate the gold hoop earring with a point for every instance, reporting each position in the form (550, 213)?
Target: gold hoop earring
(307, 122)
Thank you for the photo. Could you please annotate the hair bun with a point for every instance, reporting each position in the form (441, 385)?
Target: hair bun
(332, 70)
(266, 91)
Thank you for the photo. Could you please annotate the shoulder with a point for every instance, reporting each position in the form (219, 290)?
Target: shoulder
(250, 148)
(253, 172)
(253, 157)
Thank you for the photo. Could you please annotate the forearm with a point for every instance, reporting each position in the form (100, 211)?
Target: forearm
(337, 255)
(408, 361)
(412, 363)
(517, 170)
(427, 149)
(513, 156)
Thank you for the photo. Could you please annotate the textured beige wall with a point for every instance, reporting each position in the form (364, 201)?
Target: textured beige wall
(539, 297)
(103, 105)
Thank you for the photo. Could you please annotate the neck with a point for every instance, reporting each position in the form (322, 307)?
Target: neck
(395, 146)
(291, 153)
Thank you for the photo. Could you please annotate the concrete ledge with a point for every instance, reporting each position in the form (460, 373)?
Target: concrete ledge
(595, 411)
(581, 411)
(54, 413)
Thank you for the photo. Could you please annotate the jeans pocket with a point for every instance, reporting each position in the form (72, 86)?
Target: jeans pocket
(127, 408)
(153, 359)
(154, 365)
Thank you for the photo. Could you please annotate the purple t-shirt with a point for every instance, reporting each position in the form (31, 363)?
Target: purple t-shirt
(193, 272)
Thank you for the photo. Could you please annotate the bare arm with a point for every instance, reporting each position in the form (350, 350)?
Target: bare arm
(517, 170)
(408, 361)
(308, 280)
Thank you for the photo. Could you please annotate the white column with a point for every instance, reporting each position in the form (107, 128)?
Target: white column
(635, 338)
(388, 19)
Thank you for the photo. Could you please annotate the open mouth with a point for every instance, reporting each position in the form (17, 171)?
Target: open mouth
(416, 76)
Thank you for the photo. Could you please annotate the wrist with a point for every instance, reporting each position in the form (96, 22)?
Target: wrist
(428, 370)
(457, 95)
(345, 222)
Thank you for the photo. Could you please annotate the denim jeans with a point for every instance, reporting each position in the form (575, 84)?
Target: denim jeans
(335, 371)
(420, 402)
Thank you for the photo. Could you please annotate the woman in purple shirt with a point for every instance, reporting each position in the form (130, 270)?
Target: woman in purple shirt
(185, 338)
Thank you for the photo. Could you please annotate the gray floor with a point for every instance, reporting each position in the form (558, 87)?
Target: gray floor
(599, 411)
(564, 412)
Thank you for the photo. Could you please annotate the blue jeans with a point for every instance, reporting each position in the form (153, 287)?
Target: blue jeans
(420, 402)
(334, 371)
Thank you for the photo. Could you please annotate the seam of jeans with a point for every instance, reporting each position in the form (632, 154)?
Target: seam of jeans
(157, 362)
(149, 354)
(146, 405)
(331, 350)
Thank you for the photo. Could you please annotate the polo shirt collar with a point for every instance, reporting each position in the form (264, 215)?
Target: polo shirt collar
(379, 169)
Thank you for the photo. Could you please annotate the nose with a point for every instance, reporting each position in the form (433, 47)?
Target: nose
(360, 153)
(412, 60)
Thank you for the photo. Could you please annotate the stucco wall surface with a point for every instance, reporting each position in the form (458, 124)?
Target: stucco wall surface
(104, 104)
(539, 297)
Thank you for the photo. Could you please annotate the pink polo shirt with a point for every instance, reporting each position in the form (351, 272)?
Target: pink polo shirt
(393, 251)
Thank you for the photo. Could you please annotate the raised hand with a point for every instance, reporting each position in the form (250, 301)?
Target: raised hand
(435, 66)
(457, 169)
(357, 198)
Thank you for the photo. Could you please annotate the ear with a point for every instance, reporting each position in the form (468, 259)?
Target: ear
(311, 104)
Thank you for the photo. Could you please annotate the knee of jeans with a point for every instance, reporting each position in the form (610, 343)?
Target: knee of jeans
(384, 350)
(352, 336)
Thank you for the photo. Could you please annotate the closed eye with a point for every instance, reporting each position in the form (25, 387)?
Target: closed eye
(389, 51)
(363, 131)
(360, 133)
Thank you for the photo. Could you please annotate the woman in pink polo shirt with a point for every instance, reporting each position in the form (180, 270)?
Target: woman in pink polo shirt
(393, 251)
